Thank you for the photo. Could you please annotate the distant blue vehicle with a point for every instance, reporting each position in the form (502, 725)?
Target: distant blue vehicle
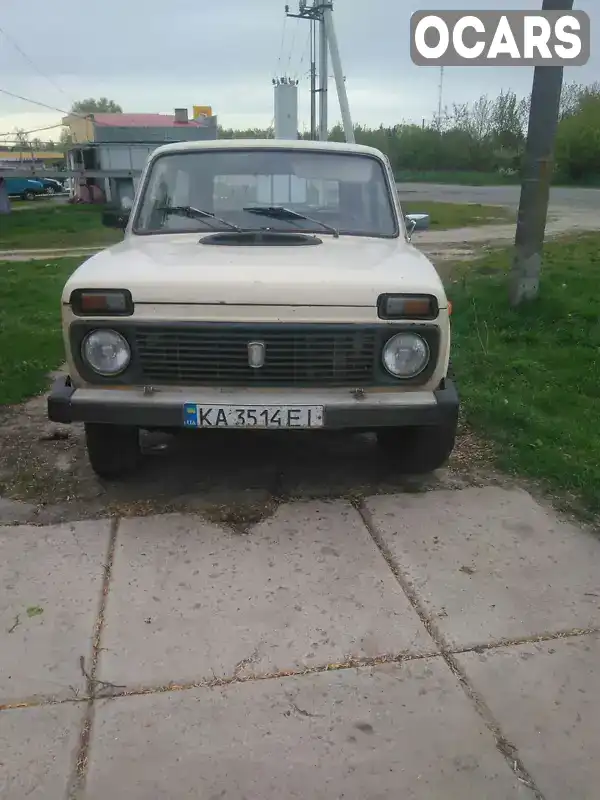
(25, 188)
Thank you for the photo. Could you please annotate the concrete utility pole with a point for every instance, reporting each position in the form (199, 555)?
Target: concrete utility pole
(323, 78)
(340, 81)
(320, 13)
(313, 80)
(535, 187)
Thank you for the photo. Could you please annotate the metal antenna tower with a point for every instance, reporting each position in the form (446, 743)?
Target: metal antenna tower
(440, 98)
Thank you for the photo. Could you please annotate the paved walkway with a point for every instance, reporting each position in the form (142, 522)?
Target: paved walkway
(434, 645)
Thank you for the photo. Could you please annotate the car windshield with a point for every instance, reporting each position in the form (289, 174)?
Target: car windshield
(256, 188)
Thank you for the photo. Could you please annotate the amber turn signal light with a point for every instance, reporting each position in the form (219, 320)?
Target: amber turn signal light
(105, 302)
(407, 306)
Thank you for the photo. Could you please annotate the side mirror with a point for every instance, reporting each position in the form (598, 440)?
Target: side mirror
(416, 222)
(115, 218)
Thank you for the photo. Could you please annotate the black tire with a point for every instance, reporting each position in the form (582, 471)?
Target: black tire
(113, 450)
(50, 190)
(418, 450)
(29, 195)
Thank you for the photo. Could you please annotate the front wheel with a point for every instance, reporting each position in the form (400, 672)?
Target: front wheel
(418, 450)
(113, 450)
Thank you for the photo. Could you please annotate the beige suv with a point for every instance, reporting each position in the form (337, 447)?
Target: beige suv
(260, 284)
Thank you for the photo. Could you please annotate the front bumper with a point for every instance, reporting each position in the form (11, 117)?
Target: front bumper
(163, 408)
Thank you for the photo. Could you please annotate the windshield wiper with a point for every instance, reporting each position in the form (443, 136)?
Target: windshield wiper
(281, 212)
(198, 213)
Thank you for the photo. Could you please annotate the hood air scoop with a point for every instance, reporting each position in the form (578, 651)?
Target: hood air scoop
(260, 238)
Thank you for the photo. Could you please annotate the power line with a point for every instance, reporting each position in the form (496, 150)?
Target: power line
(278, 67)
(26, 145)
(34, 130)
(305, 53)
(52, 108)
(36, 102)
(17, 47)
(291, 51)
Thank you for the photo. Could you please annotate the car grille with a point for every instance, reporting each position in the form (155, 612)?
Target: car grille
(328, 355)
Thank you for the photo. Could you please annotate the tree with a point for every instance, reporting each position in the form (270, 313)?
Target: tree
(21, 137)
(92, 106)
(578, 140)
(569, 99)
(66, 140)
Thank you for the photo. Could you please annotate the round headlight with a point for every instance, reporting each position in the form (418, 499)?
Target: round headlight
(106, 352)
(405, 355)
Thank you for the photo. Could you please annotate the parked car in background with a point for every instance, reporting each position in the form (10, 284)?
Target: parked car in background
(25, 188)
(52, 185)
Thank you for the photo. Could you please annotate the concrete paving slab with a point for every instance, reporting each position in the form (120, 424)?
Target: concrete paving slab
(306, 587)
(390, 732)
(51, 586)
(38, 747)
(491, 564)
(546, 698)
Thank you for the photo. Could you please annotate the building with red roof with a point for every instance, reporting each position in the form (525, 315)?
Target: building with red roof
(115, 147)
(134, 127)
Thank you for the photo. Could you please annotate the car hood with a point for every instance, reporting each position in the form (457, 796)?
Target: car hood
(179, 269)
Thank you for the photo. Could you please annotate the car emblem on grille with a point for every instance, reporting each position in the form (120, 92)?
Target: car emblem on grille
(256, 354)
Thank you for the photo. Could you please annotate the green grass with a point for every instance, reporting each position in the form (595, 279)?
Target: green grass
(529, 377)
(53, 225)
(445, 216)
(30, 205)
(30, 333)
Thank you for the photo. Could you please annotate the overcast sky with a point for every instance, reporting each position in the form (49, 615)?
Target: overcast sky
(152, 56)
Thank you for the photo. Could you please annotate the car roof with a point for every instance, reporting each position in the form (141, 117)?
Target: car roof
(262, 144)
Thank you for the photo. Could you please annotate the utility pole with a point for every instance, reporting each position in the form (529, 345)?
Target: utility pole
(313, 80)
(323, 74)
(320, 13)
(535, 187)
(340, 81)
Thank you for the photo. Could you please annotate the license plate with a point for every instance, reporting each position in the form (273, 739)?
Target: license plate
(203, 416)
